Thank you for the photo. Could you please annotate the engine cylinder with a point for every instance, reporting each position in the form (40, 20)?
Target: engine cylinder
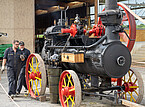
(112, 60)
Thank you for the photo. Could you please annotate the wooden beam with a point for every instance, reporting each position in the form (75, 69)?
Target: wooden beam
(75, 4)
(42, 7)
(45, 5)
(88, 9)
(130, 104)
(39, 12)
(96, 11)
(143, 4)
(91, 2)
(50, 3)
(87, 1)
(55, 8)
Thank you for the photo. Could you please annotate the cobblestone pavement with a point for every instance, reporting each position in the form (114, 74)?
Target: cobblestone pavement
(22, 101)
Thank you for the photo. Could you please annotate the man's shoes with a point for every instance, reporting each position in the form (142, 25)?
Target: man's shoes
(12, 96)
(17, 92)
(26, 91)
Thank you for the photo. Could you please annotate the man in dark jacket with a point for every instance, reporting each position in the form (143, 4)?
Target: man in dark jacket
(12, 58)
(21, 79)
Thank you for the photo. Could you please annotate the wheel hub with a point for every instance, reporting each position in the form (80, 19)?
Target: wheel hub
(32, 76)
(38, 74)
(68, 91)
(129, 86)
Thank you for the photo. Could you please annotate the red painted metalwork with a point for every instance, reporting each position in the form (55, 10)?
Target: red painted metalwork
(98, 30)
(72, 30)
(113, 79)
(32, 76)
(38, 74)
(132, 35)
(127, 86)
(65, 91)
(28, 77)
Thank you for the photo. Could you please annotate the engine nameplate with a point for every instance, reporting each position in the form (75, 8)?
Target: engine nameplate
(72, 57)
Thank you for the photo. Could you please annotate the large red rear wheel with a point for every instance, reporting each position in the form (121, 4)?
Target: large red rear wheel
(134, 87)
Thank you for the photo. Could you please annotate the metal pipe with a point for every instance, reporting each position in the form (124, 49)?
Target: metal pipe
(105, 89)
(61, 17)
(114, 88)
(65, 12)
(110, 97)
(111, 5)
(82, 47)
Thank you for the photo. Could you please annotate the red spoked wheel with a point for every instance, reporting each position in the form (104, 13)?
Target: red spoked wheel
(132, 28)
(134, 87)
(35, 75)
(69, 89)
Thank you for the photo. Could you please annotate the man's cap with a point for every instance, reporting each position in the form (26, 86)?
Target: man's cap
(21, 43)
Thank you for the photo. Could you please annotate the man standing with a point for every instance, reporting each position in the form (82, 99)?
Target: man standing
(21, 79)
(12, 58)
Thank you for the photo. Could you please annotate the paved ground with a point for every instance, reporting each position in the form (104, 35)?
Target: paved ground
(23, 101)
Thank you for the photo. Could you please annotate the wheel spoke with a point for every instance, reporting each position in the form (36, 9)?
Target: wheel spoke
(130, 77)
(36, 88)
(135, 92)
(32, 62)
(72, 101)
(29, 72)
(31, 67)
(133, 86)
(37, 66)
(36, 61)
(66, 100)
(38, 78)
(31, 84)
(71, 83)
(123, 80)
(67, 104)
(72, 90)
(64, 81)
(69, 80)
(129, 73)
(125, 95)
(135, 81)
(132, 96)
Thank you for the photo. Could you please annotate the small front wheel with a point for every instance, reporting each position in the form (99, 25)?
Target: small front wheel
(69, 89)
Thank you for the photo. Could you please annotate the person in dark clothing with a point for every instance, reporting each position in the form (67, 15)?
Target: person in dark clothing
(12, 58)
(21, 79)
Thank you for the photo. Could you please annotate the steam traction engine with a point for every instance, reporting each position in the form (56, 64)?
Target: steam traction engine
(90, 65)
